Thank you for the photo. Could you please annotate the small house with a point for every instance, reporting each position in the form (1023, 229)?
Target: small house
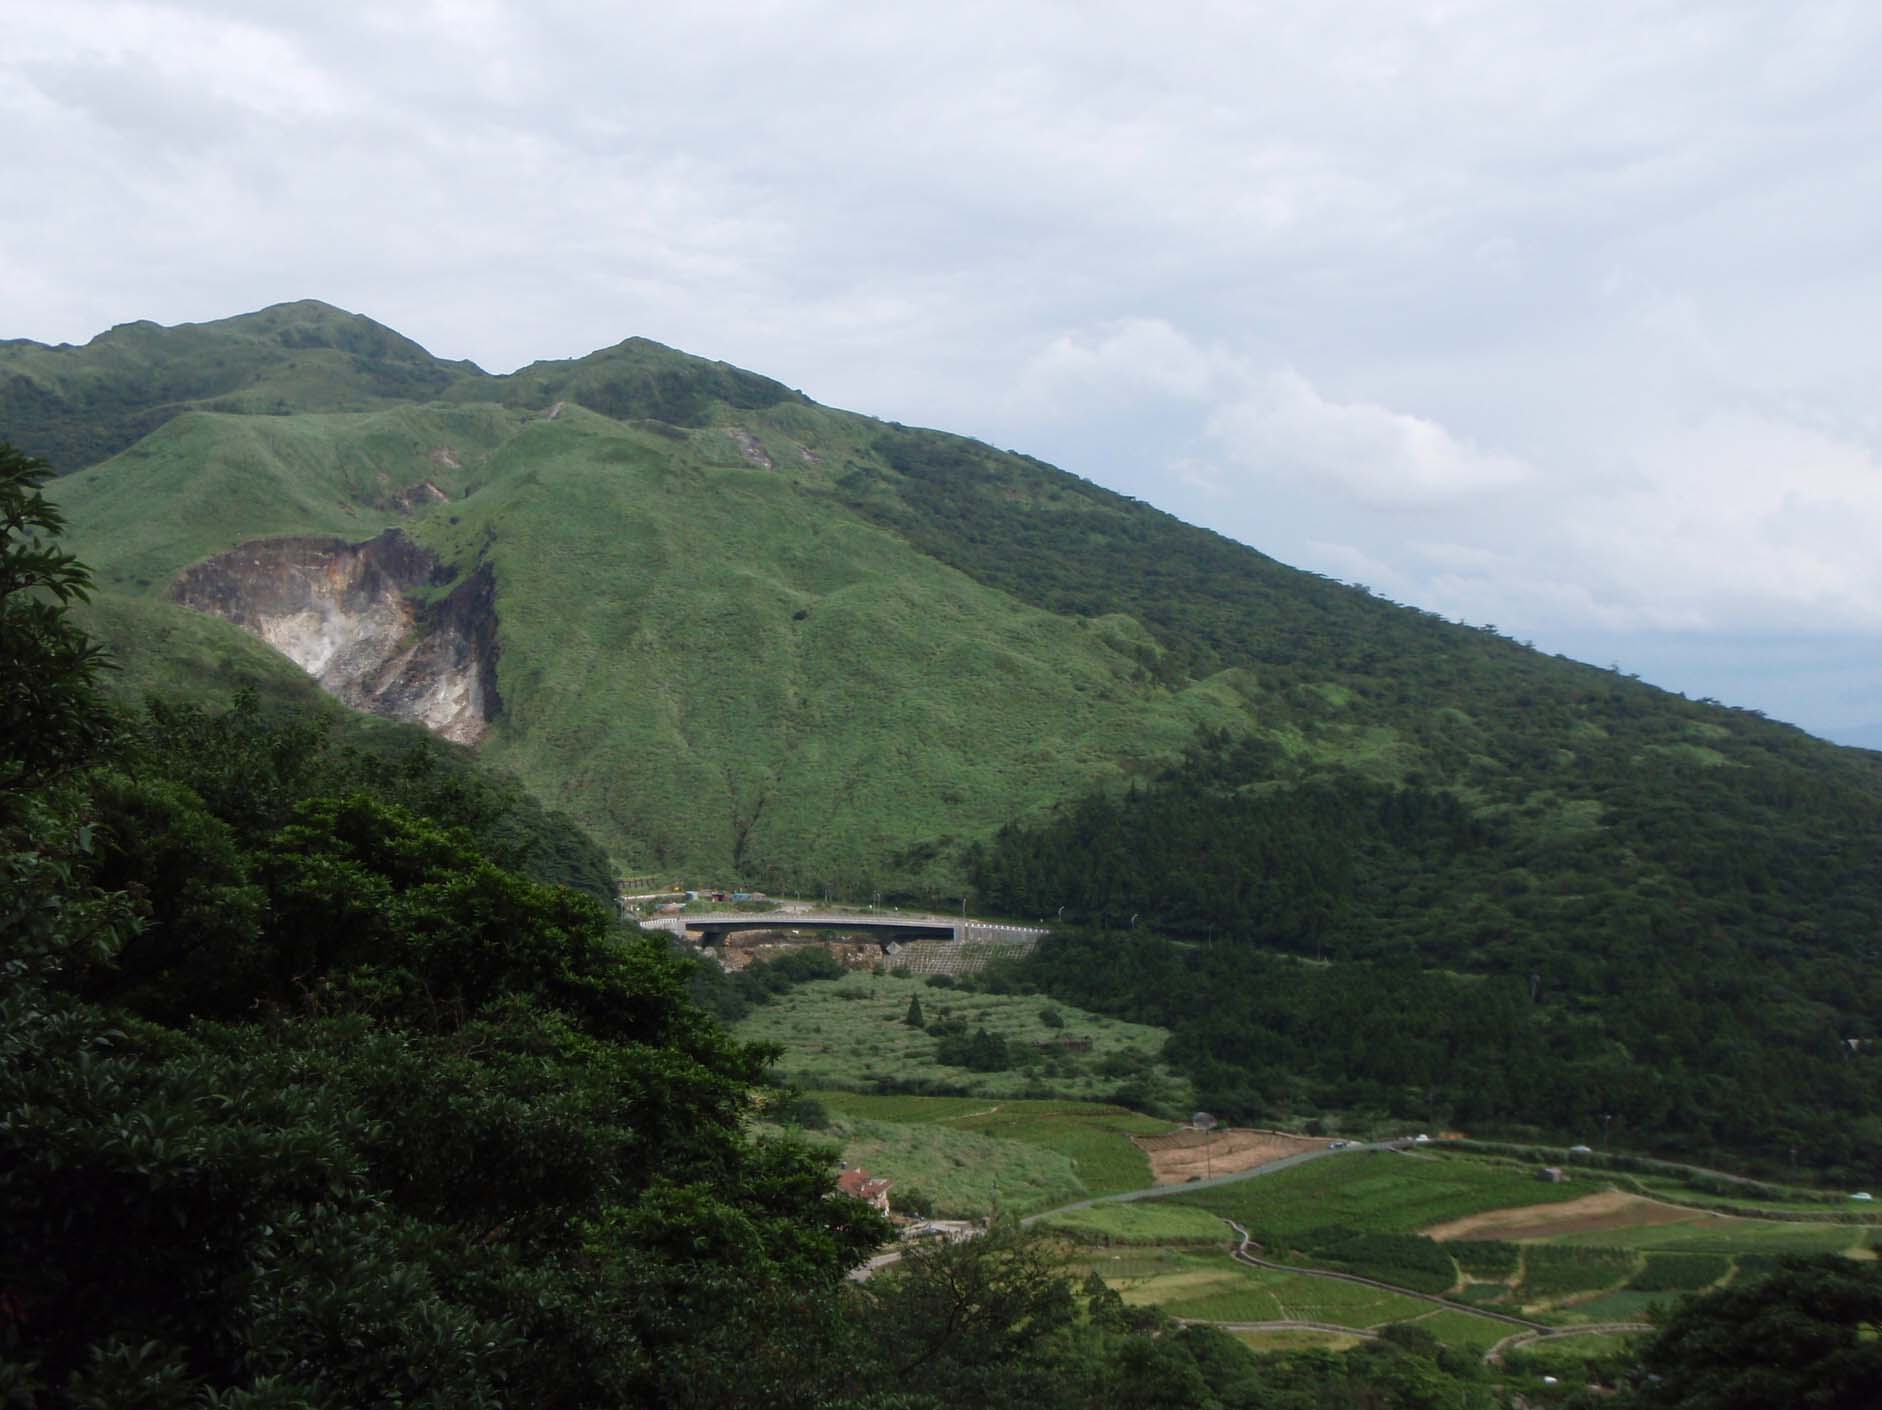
(858, 1183)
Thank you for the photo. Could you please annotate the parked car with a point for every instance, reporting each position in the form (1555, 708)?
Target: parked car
(1581, 1150)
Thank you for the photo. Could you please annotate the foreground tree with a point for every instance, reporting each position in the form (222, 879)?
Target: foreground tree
(304, 1101)
(1808, 1337)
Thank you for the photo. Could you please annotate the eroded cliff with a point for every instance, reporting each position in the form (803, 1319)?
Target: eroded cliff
(354, 618)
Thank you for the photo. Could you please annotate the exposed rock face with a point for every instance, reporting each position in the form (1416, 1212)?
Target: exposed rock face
(343, 613)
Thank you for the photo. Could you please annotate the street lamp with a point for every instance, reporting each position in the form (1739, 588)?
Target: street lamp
(1204, 1123)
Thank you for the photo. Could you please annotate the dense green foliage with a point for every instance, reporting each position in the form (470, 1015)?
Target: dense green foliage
(1463, 990)
(305, 1101)
(1806, 1335)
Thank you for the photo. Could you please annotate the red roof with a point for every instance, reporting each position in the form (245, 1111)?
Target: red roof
(858, 1182)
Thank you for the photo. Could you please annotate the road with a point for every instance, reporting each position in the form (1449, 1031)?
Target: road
(1273, 1167)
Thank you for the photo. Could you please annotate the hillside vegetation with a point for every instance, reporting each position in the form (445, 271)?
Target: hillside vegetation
(743, 637)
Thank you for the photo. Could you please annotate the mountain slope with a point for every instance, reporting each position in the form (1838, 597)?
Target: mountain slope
(744, 635)
(73, 406)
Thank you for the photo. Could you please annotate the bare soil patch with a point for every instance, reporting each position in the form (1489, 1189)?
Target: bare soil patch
(1609, 1209)
(1186, 1153)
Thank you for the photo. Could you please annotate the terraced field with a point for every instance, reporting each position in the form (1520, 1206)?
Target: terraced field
(1210, 1287)
(1558, 1254)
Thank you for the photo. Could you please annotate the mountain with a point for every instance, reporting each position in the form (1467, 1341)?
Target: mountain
(738, 634)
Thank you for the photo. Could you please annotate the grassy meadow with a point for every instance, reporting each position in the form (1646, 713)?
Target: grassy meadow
(1377, 1192)
(849, 1034)
(711, 666)
(1093, 1137)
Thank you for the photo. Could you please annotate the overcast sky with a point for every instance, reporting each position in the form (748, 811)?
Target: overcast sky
(1565, 317)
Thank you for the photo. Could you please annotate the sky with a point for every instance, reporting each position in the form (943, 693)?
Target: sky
(1560, 317)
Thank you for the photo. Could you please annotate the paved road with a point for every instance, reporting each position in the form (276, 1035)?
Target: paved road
(1510, 1343)
(1273, 1167)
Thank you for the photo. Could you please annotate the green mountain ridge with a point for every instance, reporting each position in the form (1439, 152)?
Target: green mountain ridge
(746, 636)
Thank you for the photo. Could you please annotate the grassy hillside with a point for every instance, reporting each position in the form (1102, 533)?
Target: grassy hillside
(744, 637)
(74, 406)
(699, 661)
(747, 635)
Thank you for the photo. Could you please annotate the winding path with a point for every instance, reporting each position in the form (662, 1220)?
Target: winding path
(1242, 1255)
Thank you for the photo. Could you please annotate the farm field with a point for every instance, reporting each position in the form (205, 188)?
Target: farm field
(1564, 1356)
(1094, 1136)
(1208, 1286)
(1559, 1254)
(1375, 1192)
(1297, 1341)
(850, 1034)
(1719, 1233)
(963, 1174)
(1144, 1222)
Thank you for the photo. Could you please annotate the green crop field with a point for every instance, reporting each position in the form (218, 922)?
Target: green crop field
(1212, 1287)
(1565, 1356)
(849, 1033)
(1142, 1222)
(965, 1174)
(1680, 1272)
(1722, 1234)
(1093, 1135)
(1297, 1341)
(1553, 1271)
(1376, 1192)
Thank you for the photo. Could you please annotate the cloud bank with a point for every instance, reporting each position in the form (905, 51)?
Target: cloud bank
(1549, 314)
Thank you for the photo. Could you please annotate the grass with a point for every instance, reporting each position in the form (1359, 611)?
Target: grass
(718, 671)
(967, 1175)
(1615, 1275)
(1723, 1234)
(1681, 1272)
(1302, 1340)
(1800, 1201)
(1564, 1356)
(1093, 1136)
(1622, 1306)
(1213, 1287)
(849, 1033)
(1143, 1222)
(1375, 1192)
(1553, 1271)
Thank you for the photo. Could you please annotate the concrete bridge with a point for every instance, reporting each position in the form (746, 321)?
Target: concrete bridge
(713, 927)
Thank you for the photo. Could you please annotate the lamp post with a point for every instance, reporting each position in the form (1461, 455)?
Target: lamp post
(1204, 1123)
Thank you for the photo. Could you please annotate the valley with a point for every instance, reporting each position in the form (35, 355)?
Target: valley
(1147, 822)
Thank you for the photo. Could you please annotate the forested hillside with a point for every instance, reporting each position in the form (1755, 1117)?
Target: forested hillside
(737, 636)
(306, 1101)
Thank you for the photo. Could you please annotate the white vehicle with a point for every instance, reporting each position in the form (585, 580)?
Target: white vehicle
(1421, 1139)
(1581, 1150)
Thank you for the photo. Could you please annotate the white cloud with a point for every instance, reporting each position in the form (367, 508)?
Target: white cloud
(1555, 287)
(1377, 458)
